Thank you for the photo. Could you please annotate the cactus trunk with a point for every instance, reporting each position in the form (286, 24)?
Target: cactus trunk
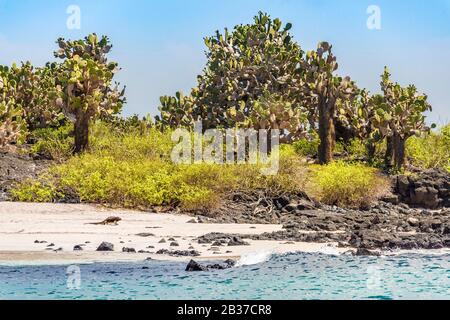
(326, 134)
(389, 155)
(371, 150)
(399, 152)
(81, 134)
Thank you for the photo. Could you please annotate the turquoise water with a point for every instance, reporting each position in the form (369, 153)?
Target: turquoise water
(293, 276)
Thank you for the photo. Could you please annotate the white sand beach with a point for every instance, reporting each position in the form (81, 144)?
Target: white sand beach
(67, 225)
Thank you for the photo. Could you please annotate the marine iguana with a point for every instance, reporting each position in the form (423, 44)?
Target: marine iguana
(108, 221)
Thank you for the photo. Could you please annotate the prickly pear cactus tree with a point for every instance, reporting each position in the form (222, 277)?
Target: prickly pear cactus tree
(399, 116)
(33, 94)
(85, 88)
(176, 111)
(323, 91)
(272, 112)
(12, 126)
(243, 65)
(357, 116)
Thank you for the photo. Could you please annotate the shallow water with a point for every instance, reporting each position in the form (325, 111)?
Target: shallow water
(293, 276)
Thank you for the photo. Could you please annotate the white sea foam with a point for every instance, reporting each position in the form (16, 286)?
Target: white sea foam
(329, 250)
(424, 252)
(254, 258)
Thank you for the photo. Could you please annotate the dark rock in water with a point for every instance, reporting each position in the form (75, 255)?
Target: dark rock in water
(128, 250)
(78, 248)
(150, 247)
(226, 265)
(106, 246)
(365, 252)
(236, 241)
(217, 244)
(192, 221)
(162, 241)
(230, 262)
(58, 250)
(172, 239)
(174, 244)
(194, 266)
(51, 245)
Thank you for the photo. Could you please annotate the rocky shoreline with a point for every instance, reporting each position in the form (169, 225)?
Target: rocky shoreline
(384, 226)
(415, 216)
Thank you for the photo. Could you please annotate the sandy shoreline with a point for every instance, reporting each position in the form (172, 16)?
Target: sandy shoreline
(67, 225)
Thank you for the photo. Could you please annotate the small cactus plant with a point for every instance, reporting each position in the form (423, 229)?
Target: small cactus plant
(176, 111)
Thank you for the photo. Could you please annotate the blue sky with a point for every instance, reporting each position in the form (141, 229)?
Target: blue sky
(159, 44)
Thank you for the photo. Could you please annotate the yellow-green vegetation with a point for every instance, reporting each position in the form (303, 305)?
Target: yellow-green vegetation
(53, 143)
(307, 147)
(431, 150)
(134, 170)
(347, 185)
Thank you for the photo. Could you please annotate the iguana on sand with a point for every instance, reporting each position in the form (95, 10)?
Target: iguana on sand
(108, 221)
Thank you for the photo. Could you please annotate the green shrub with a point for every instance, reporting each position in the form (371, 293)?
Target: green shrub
(34, 191)
(430, 150)
(53, 143)
(135, 171)
(307, 147)
(356, 149)
(346, 185)
(108, 141)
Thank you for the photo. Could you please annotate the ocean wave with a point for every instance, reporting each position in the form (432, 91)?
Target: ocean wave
(254, 258)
